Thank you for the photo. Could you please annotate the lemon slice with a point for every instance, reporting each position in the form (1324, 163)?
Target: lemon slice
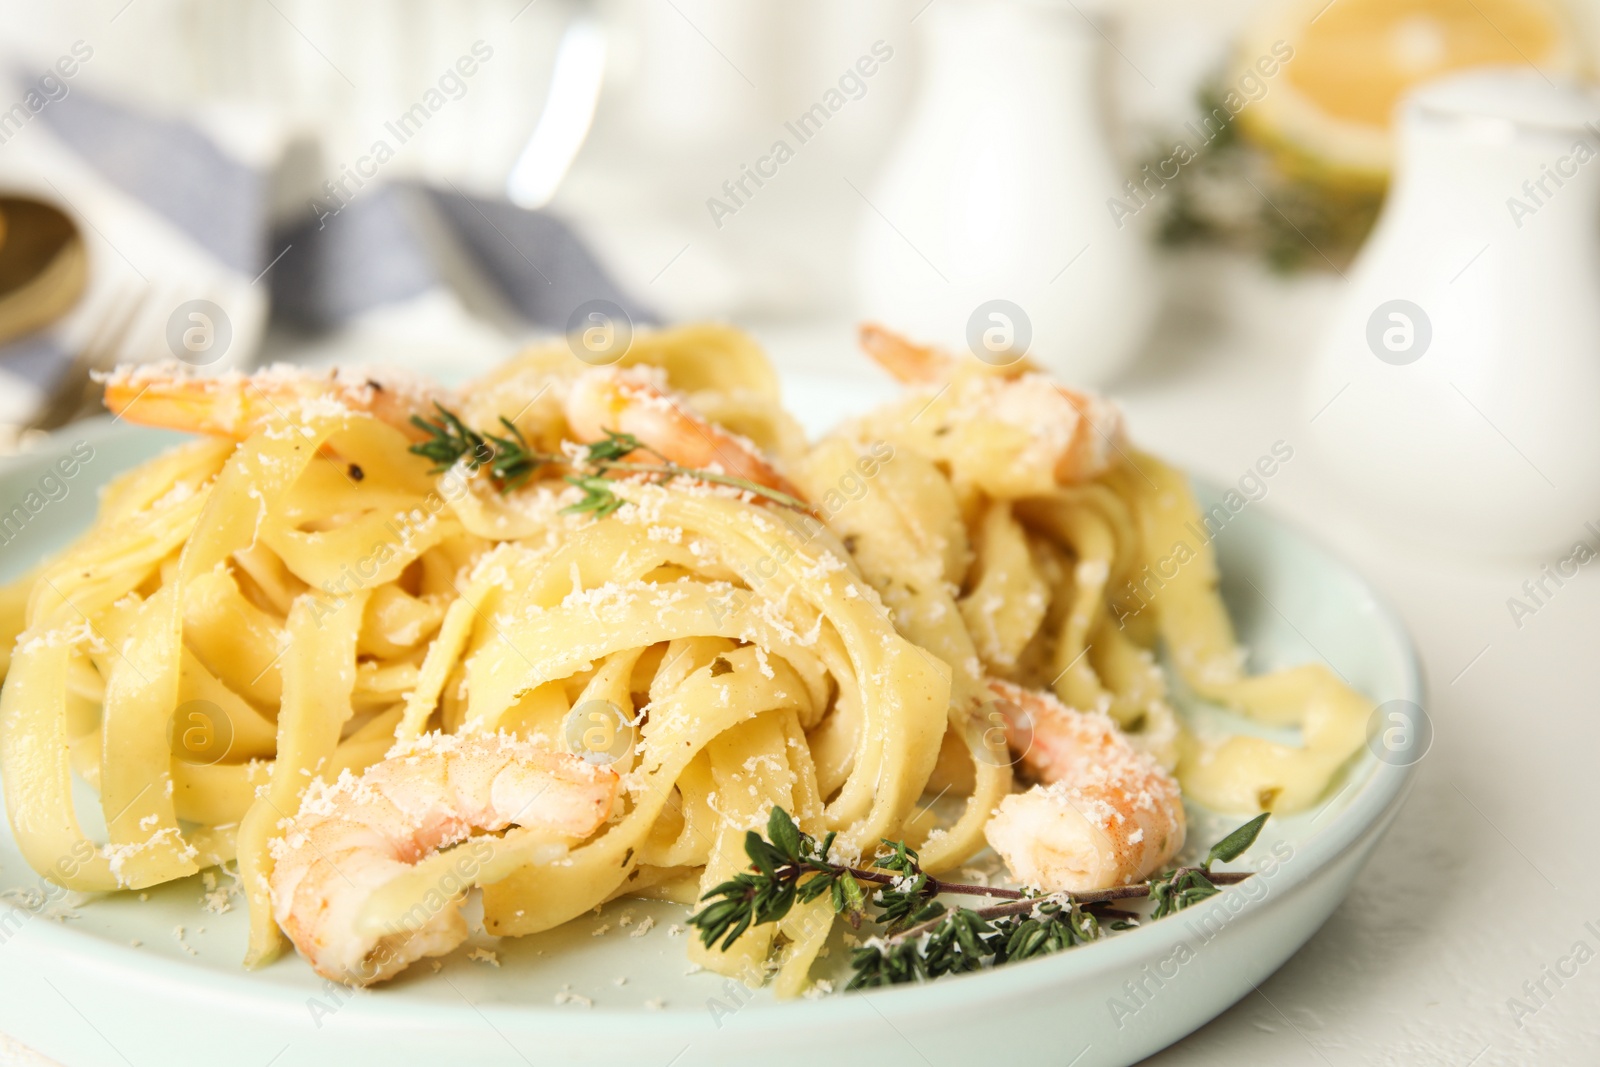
(1329, 109)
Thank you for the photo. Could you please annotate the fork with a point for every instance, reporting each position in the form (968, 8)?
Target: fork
(78, 394)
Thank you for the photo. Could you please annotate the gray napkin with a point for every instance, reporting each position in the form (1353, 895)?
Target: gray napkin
(379, 249)
(389, 244)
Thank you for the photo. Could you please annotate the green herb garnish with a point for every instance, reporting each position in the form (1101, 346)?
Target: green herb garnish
(511, 461)
(598, 498)
(923, 938)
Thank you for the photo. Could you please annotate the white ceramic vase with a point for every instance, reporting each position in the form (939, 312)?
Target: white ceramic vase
(1456, 393)
(996, 192)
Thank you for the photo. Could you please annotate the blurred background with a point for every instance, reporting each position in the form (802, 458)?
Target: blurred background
(1132, 191)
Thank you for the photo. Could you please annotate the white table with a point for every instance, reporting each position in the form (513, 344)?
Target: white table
(1487, 876)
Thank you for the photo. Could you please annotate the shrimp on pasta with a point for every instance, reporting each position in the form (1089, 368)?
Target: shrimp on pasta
(603, 401)
(629, 402)
(1016, 431)
(1086, 563)
(353, 837)
(1103, 814)
(238, 405)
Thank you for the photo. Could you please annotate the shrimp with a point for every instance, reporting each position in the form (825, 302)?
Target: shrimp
(238, 405)
(1076, 435)
(907, 363)
(628, 401)
(1104, 813)
(351, 838)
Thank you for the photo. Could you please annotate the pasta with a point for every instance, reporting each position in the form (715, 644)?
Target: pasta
(257, 618)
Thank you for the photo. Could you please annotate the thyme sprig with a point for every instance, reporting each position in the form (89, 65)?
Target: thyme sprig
(789, 867)
(1187, 886)
(511, 461)
(669, 469)
(922, 937)
(970, 938)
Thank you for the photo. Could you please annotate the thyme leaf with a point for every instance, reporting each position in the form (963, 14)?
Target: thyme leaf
(599, 499)
(449, 441)
(1232, 846)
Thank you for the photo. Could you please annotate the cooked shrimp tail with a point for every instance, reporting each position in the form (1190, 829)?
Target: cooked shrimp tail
(908, 363)
(1068, 435)
(629, 402)
(238, 405)
(356, 836)
(1104, 813)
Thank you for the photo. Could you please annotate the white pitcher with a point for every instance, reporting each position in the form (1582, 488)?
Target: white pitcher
(1456, 395)
(989, 226)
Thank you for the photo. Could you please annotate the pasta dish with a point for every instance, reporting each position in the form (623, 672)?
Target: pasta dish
(572, 633)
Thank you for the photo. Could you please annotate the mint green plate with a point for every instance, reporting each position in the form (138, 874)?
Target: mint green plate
(108, 981)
